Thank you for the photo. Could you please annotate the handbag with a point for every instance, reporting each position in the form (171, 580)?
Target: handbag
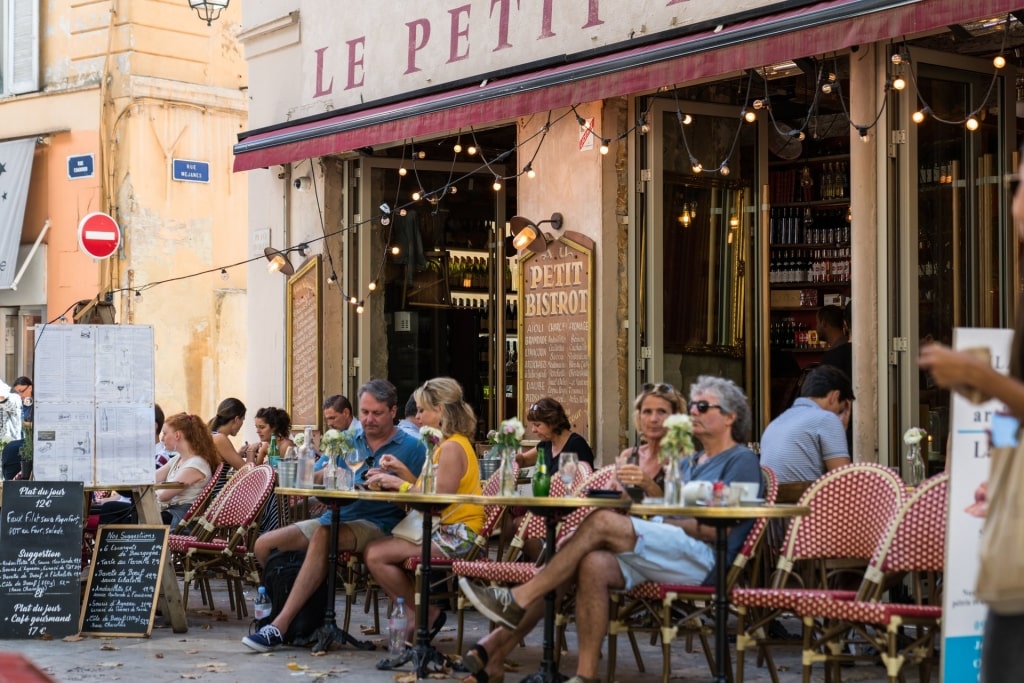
(1001, 567)
(411, 527)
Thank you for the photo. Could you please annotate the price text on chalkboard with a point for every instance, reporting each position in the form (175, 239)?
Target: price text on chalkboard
(40, 558)
(124, 580)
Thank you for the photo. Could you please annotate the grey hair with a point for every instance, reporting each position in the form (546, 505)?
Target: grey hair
(382, 390)
(731, 398)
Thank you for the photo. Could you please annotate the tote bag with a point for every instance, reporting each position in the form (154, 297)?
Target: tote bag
(411, 527)
(1001, 567)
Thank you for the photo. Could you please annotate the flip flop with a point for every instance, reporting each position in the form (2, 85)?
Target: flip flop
(389, 663)
(438, 625)
(475, 659)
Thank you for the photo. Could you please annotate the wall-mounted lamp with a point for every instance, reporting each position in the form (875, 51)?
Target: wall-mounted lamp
(527, 235)
(208, 10)
(279, 261)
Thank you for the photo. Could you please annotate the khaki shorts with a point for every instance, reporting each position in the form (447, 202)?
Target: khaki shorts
(363, 531)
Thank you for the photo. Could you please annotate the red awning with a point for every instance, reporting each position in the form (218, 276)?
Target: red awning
(822, 28)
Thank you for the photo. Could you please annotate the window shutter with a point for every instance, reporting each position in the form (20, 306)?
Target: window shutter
(23, 46)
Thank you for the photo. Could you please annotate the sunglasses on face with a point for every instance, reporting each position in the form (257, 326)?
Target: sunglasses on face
(659, 388)
(702, 406)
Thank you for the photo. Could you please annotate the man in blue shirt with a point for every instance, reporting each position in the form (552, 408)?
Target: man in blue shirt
(809, 438)
(361, 521)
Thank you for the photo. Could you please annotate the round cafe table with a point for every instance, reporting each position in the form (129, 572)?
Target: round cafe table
(721, 518)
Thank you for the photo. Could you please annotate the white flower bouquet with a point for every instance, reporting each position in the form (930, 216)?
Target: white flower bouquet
(431, 437)
(678, 435)
(335, 442)
(508, 435)
(914, 435)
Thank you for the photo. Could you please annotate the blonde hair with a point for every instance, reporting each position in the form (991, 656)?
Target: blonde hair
(445, 394)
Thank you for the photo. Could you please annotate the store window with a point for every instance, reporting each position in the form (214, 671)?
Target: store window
(19, 46)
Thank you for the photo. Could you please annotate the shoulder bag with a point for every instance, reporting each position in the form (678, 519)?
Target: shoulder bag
(1001, 566)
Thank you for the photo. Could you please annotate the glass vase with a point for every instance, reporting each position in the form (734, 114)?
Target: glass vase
(673, 481)
(915, 471)
(428, 480)
(508, 471)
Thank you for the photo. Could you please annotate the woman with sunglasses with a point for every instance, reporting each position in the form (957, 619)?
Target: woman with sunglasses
(547, 419)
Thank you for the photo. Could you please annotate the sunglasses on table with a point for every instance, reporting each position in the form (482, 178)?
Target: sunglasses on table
(702, 406)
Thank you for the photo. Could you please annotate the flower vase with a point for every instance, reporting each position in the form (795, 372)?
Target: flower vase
(428, 480)
(916, 471)
(508, 471)
(673, 481)
(331, 469)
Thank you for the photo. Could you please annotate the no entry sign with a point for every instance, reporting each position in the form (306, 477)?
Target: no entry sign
(98, 235)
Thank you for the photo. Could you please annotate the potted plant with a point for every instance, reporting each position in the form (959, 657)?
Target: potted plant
(26, 451)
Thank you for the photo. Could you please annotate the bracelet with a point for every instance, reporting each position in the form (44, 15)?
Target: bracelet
(404, 486)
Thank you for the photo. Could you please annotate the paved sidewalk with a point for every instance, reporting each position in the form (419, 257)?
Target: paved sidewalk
(212, 651)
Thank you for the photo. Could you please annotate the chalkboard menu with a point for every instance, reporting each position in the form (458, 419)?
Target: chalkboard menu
(303, 353)
(557, 311)
(124, 580)
(40, 558)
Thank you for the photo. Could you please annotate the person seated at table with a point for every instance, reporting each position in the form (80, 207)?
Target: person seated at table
(441, 405)
(809, 438)
(360, 521)
(337, 415)
(547, 419)
(613, 551)
(226, 423)
(194, 461)
(270, 421)
(639, 466)
(410, 422)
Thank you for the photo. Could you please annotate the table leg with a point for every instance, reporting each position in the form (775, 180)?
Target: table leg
(329, 632)
(721, 604)
(170, 595)
(548, 668)
(424, 653)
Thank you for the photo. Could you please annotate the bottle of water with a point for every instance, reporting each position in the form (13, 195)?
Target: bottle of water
(397, 624)
(262, 604)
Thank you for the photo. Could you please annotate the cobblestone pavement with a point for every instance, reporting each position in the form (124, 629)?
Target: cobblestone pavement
(212, 651)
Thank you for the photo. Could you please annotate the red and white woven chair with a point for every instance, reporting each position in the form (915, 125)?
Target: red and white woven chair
(914, 545)
(851, 509)
(224, 536)
(669, 610)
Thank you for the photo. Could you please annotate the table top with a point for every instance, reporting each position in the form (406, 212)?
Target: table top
(722, 511)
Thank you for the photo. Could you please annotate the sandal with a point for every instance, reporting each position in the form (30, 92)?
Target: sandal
(475, 660)
(389, 663)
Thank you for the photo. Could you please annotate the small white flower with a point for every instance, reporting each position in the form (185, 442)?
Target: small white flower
(430, 436)
(299, 439)
(678, 434)
(913, 435)
(510, 432)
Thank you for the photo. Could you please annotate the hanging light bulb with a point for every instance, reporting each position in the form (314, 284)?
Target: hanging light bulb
(402, 212)
(353, 300)
(799, 135)
(686, 120)
(359, 307)
(531, 173)
(695, 165)
(899, 83)
(457, 148)
(826, 88)
(724, 168)
(454, 189)
(395, 250)
(402, 170)
(999, 61)
(604, 145)
(972, 123)
(496, 185)
(749, 115)
(223, 274)
(758, 104)
(684, 217)
(138, 296)
(416, 196)
(896, 58)
(863, 133)
(372, 286)
(734, 222)
(917, 116)
(471, 150)
(421, 154)
(332, 278)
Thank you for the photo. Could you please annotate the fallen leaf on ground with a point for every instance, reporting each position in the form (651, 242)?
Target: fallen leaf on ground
(214, 667)
(72, 639)
(295, 666)
(191, 652)
(406, 677)
(108, 646)
(159, 655)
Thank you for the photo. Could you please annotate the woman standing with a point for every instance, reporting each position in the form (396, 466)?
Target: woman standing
(195, 459)
(440, 404)
(549, 422)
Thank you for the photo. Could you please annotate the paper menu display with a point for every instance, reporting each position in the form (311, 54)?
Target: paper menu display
(93, 395)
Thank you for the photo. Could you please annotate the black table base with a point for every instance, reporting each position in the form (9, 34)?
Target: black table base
(424, 654)
(330, 632)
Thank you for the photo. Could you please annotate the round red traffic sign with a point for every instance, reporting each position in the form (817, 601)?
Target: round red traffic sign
(98, 235)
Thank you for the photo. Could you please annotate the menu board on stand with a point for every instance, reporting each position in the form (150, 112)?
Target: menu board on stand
(303, 353)
(93, 414)
(556, 359)
(40, 559)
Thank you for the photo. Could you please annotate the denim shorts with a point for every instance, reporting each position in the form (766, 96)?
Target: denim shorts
(666, 554)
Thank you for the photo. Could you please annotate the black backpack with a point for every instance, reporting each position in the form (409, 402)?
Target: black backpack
(279, 574)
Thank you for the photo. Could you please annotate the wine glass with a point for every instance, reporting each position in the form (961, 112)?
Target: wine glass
(568, 463)
(354, 459)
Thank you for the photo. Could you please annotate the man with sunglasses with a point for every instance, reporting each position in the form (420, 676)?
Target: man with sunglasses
(610, 551)
(809, 438)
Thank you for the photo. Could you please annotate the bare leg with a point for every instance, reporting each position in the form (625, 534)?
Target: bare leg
(500, 642)
(601, 530)
(385, 558)
(284, 539)
(599, 572)
(313, 572)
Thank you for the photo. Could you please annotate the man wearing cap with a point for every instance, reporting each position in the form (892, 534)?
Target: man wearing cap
(809, 439)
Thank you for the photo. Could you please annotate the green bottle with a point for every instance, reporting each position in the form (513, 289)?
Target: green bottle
(272, 452)
(541, 478)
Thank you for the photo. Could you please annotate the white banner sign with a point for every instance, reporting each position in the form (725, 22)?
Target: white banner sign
(15, 171)
(963, 616)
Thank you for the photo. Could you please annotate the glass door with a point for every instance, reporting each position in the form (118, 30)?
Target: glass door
(951, 249)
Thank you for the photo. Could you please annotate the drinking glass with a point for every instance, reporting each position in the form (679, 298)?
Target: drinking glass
(354, 459)
(568, 463)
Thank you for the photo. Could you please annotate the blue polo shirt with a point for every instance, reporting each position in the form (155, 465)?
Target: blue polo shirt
(411, 452)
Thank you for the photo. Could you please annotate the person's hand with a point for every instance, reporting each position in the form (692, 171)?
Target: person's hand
(956, 370)
(979, 508)
(844, 413)
(382, 481)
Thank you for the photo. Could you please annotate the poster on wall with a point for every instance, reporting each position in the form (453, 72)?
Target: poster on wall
(963, 620)
(93, 395)
(556, 290)
(304, 356)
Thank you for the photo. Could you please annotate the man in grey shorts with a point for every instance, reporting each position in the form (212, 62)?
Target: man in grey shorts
(361, 521)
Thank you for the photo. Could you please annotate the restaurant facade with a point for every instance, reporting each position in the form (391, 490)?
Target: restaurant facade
(698, 181)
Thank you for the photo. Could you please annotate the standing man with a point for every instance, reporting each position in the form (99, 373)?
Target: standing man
(833, 329)
(809, 438)
(361, 521)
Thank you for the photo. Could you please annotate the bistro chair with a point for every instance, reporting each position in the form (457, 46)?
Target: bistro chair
(851, 509)
(667, 609)
(914, 545)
